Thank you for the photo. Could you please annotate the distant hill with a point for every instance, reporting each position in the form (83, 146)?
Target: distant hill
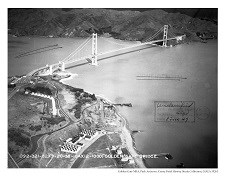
(123, 24)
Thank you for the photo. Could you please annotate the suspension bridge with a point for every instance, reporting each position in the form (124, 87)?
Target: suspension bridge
(163, 35)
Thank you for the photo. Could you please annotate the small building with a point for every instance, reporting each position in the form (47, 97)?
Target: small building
(79, 143)
(75, 139)
(81, 135)
(70, 148)
(119, 151)
(69, 139)
(125, 159)
(88, 132)
(88, 137)
(113, 147)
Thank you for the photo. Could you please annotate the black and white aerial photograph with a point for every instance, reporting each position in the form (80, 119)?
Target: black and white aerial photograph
(112, 88)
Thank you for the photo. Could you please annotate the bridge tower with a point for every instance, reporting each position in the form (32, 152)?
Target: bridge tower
(165, 32)
(50, 69)
(62, 65)
(94, 49)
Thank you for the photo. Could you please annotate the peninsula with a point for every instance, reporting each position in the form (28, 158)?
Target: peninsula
(52, 124)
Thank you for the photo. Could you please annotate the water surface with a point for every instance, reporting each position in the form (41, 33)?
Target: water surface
(194, 144)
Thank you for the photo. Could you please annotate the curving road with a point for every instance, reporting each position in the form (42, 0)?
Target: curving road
(34, 139)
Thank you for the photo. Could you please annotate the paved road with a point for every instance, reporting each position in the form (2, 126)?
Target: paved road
(87, 145)
(128, 137)
(13, 92)
(11, 162)
(64, 114)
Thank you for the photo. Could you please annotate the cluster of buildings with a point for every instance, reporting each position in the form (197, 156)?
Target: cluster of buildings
(125, 156)
(21, 80)
(54, 110)
(73, 145)
(88, 133)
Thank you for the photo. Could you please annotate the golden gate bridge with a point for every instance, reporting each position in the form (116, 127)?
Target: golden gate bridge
(80, 53)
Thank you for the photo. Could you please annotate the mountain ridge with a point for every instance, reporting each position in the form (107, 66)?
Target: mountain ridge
(126, 25)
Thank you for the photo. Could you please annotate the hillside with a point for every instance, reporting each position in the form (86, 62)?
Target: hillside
(127, 25)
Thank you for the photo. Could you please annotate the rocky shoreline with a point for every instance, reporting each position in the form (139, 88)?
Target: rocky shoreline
(127, 132)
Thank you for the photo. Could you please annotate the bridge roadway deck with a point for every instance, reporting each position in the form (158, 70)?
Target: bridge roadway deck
(103, 56)
(106, 55)
(114, 53)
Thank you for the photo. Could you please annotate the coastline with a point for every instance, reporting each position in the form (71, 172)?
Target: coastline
(72, 75)
(127, 133)
(128, 117)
